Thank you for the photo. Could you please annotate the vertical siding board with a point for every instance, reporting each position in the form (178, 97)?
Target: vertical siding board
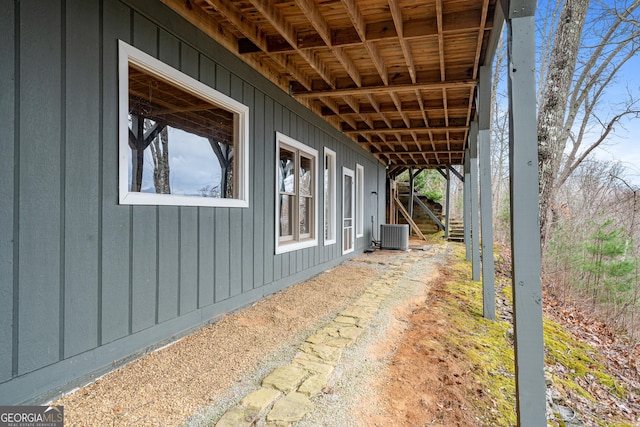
(268, 190)
(257, 174)
(7, 147)
(81, 181)
(168, 49)
(145, 220)
(184, 58)
(40, 176)
(168, 263)
(115, 218)
(223, 83)
(145, 35)
(206, 253)
(206, 257)
(189, 61)
(278, 260)
(248, 237)
(222, 254)
(236, 224)
(144, 265)
(188, 259)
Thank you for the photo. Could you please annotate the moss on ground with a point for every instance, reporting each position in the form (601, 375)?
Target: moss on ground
(489, 347)
(484, 343)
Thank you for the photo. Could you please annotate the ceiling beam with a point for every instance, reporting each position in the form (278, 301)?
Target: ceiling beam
(414, 29)
(378, 90)
(407, 130)
(271, 12)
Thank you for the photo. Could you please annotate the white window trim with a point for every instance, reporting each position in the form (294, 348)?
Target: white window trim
(130, 55)
(359, 200)
(331, 216)
(348, 172)
(283, 247)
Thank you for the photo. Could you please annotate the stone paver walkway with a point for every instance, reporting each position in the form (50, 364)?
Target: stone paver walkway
(286, 393)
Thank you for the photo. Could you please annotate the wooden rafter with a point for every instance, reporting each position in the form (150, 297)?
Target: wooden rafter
(398, 77)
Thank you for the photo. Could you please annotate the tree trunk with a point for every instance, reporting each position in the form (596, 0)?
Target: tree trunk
(160, 152)
(552, 135)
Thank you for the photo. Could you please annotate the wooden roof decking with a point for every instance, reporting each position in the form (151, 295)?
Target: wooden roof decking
(397, 76)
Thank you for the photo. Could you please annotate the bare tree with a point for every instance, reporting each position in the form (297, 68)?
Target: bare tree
(591, 42)
(160, 155)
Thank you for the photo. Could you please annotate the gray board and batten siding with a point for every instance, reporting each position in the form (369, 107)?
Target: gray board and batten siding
(88, 284)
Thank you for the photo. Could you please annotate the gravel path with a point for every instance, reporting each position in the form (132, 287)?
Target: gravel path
(206, 372)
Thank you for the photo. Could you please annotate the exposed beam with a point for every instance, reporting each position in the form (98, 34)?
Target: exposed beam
(414, 29)
(378, 90)
(314, 16)
(253, 32)
(420, 152)
(413, 129)
(398, 21)
(348, 65)
(440, 39)
(271, 12)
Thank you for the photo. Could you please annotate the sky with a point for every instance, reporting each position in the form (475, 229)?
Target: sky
(622, 145)
(192, 162)
(625, 143)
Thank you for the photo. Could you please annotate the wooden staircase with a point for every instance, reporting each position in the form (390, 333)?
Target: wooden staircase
(456, 230)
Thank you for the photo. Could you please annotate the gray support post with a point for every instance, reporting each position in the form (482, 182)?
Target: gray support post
(466, 205)
(525, 224)
(486, 211)
(473, 197)
(411, 189)
(447, 205)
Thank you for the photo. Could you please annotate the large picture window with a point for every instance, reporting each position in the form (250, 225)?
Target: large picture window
(329, 196)
(181, 142)
(296, 219)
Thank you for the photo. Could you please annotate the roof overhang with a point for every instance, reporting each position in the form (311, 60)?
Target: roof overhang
(399, 77)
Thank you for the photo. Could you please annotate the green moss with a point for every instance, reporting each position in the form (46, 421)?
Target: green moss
(488, 347)
(483, 343)
(578, 358)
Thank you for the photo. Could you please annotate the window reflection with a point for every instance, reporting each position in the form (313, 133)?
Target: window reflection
(180, 144)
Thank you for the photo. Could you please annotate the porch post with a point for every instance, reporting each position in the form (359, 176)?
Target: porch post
(473, 198)
(446, 206)
(525, 224)
(486, 211)
(466, 204)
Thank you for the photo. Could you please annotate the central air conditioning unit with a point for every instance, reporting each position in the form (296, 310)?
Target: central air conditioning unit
(394, 236)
